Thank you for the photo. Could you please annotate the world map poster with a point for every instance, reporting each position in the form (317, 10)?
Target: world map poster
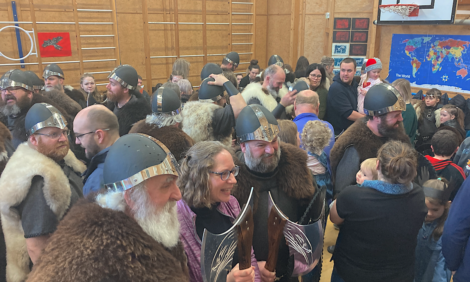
(439, 61)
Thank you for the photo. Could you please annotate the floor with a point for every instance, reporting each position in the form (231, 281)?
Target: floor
(330, 238)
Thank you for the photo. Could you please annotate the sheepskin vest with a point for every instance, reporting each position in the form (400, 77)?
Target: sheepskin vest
(256, 91)
(197, 122)
(15, 183)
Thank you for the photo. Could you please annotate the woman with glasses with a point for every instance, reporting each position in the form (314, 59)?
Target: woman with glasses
(206, 181)
(317, 77)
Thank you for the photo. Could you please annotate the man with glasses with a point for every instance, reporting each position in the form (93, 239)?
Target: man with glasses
(271, 166)
(96, 129)
(39, 185)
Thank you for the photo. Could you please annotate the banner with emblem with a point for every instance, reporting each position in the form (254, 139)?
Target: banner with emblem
(54, 44)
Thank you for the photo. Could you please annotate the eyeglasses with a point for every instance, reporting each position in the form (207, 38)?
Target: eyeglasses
(56, 135)
(224, 175)
(78, 136)
(316, 76)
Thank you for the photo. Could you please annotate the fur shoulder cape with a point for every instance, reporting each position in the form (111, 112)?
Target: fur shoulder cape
(68, 104)
(99, 244)
(197, 122)
(75, 94)
(135, 110)
(14, 186)
(299, 185)
(5, 136)
(172, 137)
(364, 141)
(256, 91)
(418, 109)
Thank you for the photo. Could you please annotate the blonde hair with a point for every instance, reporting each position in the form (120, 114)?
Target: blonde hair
(316, 136)
(398, 162)
(457, 112)
(195, 172)
(84, 76)
(439, 184)
(403, 86)
(371, 164)
(288, 131)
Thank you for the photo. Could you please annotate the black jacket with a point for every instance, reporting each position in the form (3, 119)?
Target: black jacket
(342, 101)
(136, 109)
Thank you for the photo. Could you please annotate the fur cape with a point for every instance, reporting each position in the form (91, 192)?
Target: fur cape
(75, 95)
(27, 163)
(293, 177)
(5, 136)
(419, 109)
(364, 141)
(68, 104)
(133, 111)
(98, 244)
(197, 122)
(172, 137)
(256, 91)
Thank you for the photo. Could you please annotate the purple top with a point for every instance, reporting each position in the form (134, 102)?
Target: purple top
(191, 242)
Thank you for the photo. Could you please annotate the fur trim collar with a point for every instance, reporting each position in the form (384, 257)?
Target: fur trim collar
(133, 111)
(364, 141)
(98, 244)
(300, 185)
(67, 103)
(255, 91)
(197, 122)
(27, 163)
(5, 136)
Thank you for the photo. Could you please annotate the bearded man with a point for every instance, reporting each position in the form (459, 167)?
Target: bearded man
(279, 168)
(54, 80)
(124, 100)
(129, 233)
(271, 93)
(41, 181)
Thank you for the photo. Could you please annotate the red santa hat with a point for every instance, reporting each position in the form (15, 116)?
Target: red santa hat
(373, 64)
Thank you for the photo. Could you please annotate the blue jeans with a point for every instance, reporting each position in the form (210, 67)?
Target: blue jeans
(335, 276)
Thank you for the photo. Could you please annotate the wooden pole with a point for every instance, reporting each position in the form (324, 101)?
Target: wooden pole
(230, 26)
(148, 67)
(294, 30)
(115, 32)
(166, 28)
(331, 22)
(373, 31)
(77, 35)
(33, 20)
(204, 31)
(253, 30)
(177, 34)
(302, 28)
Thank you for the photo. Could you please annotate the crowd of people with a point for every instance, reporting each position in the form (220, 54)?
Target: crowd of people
(127, 186)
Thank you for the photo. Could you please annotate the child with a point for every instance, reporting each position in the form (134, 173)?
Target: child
(410, 121)
(453, 117)
(368, 171)
(429, 117)
(369, 79)
(315, 138)
(429, 261)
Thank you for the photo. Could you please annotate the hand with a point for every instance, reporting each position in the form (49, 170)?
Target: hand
(289, 98)
(363, 91)
(237, 275)
(266, 275)
(220, 79)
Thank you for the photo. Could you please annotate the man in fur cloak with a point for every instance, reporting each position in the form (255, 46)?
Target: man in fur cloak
(206, 119)
(270, 165)
(124, 100)
(54, 79)
(164, 122)
(271, 93)
(130, 232)
(32, 205)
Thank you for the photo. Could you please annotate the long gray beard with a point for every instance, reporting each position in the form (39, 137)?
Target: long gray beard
(257, 164)
(55, 87)
(10, 110)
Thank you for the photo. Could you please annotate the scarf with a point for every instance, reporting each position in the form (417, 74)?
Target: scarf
(388, 188)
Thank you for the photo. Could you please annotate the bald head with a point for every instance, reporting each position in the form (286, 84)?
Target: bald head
(97, 117)
(306, 101)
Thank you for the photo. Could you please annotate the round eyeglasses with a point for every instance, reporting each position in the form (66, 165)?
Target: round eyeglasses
(56, 135)
(224, 175)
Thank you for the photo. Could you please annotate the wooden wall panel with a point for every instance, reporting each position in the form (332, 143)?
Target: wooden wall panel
(315, 37)
(316, 7)
(261, 39)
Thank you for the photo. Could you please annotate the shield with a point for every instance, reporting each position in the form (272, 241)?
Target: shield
(305, 241)
(217, 249)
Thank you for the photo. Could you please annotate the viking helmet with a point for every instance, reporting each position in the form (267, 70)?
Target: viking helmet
(233, 58)
(38, 84)
(166, 101)
(209, 69)
(383, 98)
(43, 115)
(126, 75)
(255, 122)
(14, 78)
(210, 93)
(276, 60)
(134, 158)
(51, 70)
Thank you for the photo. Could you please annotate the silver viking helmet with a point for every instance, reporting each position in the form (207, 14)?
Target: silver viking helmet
(210, 93)
(126, 75)
(15, 78)
(134, 158)
(255, 122)
(276, 60)
(51, 70)
(166, 108)
(233, 58)
(43, 115)
(38, 84)
(383, 98)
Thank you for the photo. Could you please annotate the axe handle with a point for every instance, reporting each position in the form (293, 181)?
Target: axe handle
(245, 240)
(275, 232)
